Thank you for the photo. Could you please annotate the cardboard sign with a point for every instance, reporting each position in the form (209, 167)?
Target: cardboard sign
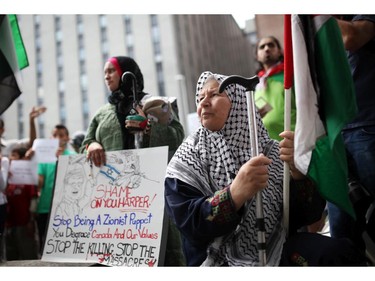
(112, 215)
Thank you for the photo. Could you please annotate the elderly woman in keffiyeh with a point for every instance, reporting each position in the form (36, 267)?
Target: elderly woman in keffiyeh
(212, 180)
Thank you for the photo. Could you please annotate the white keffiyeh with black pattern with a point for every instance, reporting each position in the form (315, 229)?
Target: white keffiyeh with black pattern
(209, 161)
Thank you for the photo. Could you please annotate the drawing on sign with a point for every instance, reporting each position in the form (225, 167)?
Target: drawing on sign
(77, 190)
(111, 215)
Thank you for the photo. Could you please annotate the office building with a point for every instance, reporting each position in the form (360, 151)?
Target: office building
(67, 54)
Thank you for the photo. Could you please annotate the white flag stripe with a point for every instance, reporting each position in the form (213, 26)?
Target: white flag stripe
(309, 127)
(320, 21)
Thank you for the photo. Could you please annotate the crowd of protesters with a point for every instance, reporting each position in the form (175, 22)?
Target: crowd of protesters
(213, 176)
(25, 207)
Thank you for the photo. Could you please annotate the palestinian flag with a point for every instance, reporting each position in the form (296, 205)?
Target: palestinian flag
(325, 102)
(13, 58)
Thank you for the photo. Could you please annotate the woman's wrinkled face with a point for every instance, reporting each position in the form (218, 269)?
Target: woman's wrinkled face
(111, 77)
(213, 107)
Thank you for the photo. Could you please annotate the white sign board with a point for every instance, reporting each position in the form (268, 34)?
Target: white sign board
(111, 215)
(23, 172)
(45, 150)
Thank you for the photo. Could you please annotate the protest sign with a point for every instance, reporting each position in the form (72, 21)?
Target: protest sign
(45, 150)
(23, 172)
(112, 215)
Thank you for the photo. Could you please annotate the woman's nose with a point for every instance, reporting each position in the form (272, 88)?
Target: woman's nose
(205, 101)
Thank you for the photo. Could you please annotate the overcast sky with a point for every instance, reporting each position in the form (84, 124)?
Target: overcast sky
(242, 18)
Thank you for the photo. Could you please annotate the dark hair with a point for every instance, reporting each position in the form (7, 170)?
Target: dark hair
(276, 41)
(129, 64)
(20, 149)
(78, 138)
(62, 127)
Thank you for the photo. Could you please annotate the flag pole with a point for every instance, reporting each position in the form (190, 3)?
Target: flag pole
(288, 78)
(286, 180)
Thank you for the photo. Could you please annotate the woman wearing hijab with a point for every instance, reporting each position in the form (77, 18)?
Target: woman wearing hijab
(110, 130)
(212, 181)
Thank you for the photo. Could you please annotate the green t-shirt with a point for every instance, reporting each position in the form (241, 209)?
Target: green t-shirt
(48, 171)
(272, 96)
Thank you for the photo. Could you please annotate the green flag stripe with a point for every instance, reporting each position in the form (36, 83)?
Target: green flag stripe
(18, 43)
(328, 166)
(328, 169)
(334, 78)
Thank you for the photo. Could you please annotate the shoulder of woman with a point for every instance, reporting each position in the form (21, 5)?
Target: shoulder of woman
(105, 108)
(108, 106)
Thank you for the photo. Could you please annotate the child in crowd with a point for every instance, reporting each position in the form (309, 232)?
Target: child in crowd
(21, 242)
